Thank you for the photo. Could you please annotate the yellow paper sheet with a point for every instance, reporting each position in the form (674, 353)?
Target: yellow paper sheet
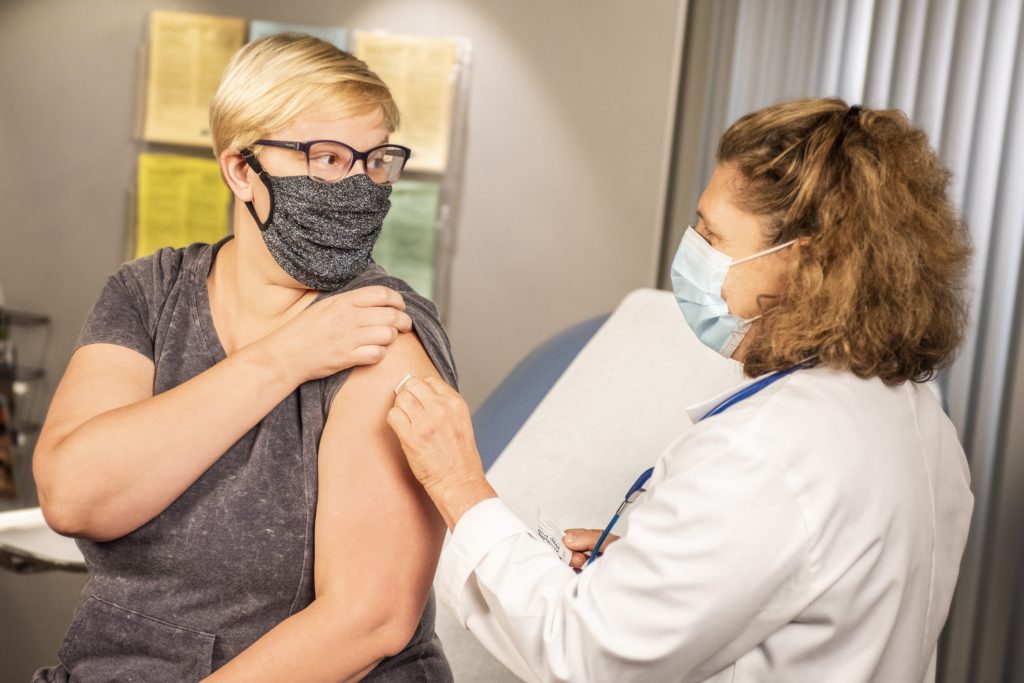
(181, 200)
(187, 55)
(419, 72)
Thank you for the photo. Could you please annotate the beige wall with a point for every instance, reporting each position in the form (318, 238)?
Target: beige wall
(570, 108)
(569, 113)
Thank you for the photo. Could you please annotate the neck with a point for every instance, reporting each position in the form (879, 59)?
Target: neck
(740, 354)
(245, 302)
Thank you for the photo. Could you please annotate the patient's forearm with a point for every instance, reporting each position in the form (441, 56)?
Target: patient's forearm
(327, 641)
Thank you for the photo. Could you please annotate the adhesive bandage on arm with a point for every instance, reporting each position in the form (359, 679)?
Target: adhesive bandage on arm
(404, 380)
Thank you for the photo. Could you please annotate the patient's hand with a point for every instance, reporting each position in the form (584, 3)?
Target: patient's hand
(581, 543)
(339, 332)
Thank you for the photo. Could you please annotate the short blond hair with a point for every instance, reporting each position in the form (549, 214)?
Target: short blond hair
(276, 80)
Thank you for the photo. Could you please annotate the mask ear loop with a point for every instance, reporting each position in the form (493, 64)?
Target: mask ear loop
(762, 253)
(737, 335)
(256, 166)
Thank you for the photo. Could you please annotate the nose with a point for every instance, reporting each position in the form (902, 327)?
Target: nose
(358, 167)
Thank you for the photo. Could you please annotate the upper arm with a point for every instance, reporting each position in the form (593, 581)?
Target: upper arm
(99, 378)
(377, 533)
(112, 365)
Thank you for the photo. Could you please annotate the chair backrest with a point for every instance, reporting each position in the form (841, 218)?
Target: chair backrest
(610, 414)
(498, 419)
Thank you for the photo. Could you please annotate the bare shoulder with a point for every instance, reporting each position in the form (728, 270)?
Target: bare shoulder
(377, 532)
(372, 387)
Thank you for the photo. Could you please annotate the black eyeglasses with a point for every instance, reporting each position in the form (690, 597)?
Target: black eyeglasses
(329, 160)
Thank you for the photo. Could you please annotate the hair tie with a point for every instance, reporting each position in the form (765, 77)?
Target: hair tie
(854, 112)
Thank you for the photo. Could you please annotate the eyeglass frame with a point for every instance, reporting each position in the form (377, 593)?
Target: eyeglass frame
(304, 147)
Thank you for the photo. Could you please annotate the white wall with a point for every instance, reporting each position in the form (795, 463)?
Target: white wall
(567, 142)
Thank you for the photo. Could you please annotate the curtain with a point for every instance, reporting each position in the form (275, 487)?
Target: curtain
(956, 67)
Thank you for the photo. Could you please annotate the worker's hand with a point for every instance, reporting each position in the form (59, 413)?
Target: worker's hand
(581, 543)
(433, 424)
(339, 332)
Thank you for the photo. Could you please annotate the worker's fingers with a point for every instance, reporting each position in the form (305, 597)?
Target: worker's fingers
(440, 387)
(437, 397)
(399, 422)
(578, 560)
(409, 403)
(583, 540)
(421, 390)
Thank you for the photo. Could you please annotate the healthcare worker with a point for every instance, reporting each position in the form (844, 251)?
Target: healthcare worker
(808, 526)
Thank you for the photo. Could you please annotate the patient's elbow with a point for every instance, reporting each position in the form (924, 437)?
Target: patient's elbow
(63, 499)
(58, 514)
(60, 518)
(394, 633)
(385, 624)
(68, 519)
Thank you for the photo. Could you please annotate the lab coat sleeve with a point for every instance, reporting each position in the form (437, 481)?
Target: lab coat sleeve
(715, 560)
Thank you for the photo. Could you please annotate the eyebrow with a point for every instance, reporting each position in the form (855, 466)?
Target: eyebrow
(700, 215)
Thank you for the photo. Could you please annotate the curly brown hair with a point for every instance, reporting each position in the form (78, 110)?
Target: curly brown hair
(878, 286)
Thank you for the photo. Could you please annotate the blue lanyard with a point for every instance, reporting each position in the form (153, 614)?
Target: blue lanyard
(638, 486)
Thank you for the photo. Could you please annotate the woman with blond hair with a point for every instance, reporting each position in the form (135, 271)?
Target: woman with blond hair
(218, 442)
(809, 525)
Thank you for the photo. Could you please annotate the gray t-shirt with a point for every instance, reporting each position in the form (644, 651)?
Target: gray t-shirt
(233, 555)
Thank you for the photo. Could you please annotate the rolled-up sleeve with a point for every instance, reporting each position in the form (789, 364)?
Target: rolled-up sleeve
(715, 560)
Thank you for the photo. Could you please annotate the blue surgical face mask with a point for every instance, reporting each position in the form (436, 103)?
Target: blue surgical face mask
(698, 272)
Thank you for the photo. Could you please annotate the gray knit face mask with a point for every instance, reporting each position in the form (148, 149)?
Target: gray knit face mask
(321, 234)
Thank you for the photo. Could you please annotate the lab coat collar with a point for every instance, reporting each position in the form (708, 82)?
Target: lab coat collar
(698, 411)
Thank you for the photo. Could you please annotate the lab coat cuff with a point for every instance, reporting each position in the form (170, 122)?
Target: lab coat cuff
(478, 531)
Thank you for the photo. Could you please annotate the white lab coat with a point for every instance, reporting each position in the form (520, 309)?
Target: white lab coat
(812, 532)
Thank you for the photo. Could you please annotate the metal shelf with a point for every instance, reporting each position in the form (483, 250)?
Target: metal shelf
(23, 318)
(26, 373)
(27, 428)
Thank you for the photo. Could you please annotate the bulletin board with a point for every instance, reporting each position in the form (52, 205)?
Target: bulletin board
(179, 197)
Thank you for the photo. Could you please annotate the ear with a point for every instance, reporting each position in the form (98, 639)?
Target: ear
(237, 174)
